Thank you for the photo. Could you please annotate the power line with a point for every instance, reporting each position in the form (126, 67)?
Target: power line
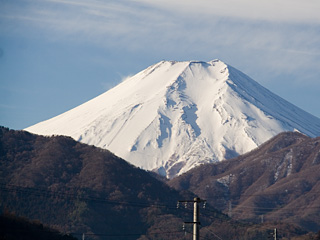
(268, 194)
(238, 208)
(202, 237)
(207, 229)
(77, 196)
(123, 234)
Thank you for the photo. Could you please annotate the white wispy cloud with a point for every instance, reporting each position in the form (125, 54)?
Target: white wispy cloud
(271, 10)
(276, 36)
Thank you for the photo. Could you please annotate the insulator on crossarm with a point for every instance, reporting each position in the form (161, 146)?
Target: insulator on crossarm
(184, 229)
(178, 204)
(204, 204)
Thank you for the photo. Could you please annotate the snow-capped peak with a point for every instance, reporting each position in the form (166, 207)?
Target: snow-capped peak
(174, 116)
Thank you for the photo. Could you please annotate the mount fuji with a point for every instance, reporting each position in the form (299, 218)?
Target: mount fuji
(174, 116)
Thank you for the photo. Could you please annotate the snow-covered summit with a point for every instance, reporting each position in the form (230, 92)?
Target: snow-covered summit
(174, 116)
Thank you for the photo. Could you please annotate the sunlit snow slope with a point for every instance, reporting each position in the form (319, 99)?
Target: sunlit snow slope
(174, 116)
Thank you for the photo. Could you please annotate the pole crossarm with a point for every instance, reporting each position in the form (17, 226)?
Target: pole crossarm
(192, 223)
(198, 200)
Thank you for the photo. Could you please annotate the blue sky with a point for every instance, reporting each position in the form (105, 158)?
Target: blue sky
(57, 54)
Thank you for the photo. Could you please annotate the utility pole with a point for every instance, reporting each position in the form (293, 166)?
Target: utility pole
(196, 216)
(196, 221)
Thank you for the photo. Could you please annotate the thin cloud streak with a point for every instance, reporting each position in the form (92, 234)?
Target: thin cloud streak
(266, 10)
(212, 29)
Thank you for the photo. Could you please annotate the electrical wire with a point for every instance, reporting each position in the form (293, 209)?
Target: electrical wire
(123, 235)
(74, 196)
(207, 229)
(191, 233)
(64, 195)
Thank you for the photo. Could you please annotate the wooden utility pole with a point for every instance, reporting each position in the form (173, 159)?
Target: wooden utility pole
(196, 216)
(196, 221)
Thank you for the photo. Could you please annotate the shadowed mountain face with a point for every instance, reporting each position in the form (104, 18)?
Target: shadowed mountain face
(12, 228)
(78, 188)
(280, 180)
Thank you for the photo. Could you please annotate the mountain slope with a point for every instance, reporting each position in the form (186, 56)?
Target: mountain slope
(81, 189)
(174, 116)
(279, 180)
(74, 187)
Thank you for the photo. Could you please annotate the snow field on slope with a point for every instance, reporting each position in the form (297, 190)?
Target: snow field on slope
(174, 116)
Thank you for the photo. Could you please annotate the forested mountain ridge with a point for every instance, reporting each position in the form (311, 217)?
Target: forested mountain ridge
(278, 181)
(80, 189)
(76, 187)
